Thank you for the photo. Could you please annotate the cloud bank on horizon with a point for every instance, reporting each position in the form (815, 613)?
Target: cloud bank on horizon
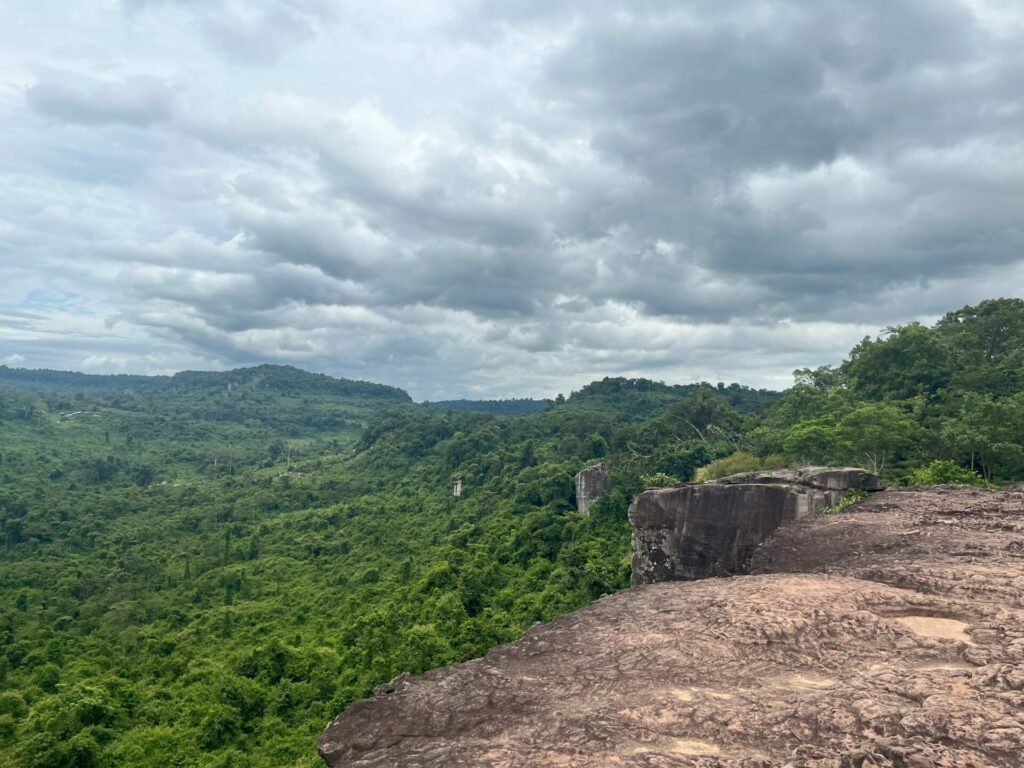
(470, 198)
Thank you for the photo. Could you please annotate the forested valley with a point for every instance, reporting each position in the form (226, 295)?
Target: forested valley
(202, 570)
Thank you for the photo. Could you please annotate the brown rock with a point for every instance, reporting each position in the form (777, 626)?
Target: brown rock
(696, 531)
(895, 638)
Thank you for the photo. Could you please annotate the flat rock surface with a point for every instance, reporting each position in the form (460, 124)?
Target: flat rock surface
(891, 634)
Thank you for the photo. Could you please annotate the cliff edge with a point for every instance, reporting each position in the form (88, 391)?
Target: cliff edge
(889, 634)
(694, 531)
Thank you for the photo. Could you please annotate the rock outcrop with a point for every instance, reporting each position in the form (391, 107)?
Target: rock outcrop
(696, 531)
(821, 478)
(590, 484)
(455, 489)
(895, 637)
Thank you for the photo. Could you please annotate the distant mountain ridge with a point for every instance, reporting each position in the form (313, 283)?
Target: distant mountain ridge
(643, 398)
(283, 379)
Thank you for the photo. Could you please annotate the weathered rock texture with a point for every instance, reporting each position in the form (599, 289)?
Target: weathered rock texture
(590, 484)
(823, 478)
(896, 639)
(696, 531)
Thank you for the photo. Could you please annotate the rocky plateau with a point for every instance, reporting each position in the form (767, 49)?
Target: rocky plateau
(888, 634)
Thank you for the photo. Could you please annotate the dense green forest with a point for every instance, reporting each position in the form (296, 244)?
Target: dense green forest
(201, 570)
(513, 407)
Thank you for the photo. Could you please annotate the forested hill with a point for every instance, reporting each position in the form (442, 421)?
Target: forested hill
(260, 404)
(279, 379)
(640, 399)
(635, 398)
(203, 576)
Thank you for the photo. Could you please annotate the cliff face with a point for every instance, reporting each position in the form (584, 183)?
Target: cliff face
(890, 634)
(696, 531)
(590, 484)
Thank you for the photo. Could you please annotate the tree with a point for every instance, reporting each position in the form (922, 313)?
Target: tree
(875, 432)
(704, 414)
(988, 432)
(904, 362)
(823, 378)
(986, 342)
(812, 442)
(799, 403)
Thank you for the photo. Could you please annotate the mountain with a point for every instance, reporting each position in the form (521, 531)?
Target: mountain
(642, 399)
(282, 379)
(266, 400)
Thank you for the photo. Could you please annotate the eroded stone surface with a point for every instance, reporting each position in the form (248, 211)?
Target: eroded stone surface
(825, 478)
(815, 667)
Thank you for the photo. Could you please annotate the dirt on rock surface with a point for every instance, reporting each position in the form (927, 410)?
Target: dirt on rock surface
(890, 634)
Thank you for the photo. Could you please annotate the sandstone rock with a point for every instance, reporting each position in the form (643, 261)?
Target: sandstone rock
(827, 478)
(896, 639)
(696, 531)
(590, 484)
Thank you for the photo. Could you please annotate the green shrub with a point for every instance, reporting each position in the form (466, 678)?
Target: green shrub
(659, 480)
(8, 726)
(851, 497)
(946, 473)
(12, 704)
(730, 465)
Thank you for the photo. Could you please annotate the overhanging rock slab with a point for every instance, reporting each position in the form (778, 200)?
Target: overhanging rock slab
(712, 529)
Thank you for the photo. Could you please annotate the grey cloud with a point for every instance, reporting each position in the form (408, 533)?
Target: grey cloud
(693, 191)
(137, 101)
(703, 104)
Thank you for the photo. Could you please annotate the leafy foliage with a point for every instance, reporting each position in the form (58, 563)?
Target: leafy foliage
(205, 573)
(850, 497)
(201, 570)
(946, 472)
(735, 463)
(914, 394)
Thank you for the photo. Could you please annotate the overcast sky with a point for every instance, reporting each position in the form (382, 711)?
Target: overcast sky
(466, 198)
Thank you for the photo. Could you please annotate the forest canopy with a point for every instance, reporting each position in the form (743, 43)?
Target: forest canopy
(203, 569)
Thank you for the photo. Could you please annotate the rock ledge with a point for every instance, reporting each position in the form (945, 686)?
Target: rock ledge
(890, 634)
(712, 529)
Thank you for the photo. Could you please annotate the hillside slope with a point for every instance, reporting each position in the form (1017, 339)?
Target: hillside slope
(202, 576)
